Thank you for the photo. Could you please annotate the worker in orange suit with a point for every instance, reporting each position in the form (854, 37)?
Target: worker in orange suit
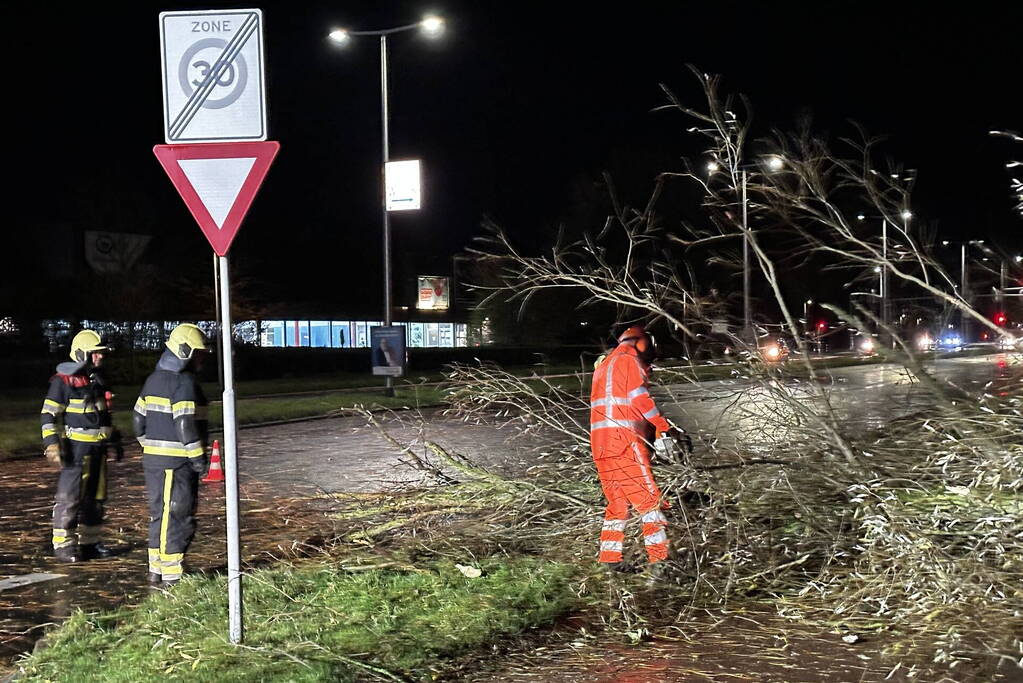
(622, 413)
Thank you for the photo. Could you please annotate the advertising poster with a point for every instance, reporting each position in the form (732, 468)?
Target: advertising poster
(387, 350)
(433, 294)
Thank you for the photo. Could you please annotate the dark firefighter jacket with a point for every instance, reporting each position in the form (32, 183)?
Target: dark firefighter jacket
(80, 400)
(170, 415)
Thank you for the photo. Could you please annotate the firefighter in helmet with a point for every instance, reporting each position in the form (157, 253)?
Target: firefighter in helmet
(170, 422)
(79, 399)
(622, 414)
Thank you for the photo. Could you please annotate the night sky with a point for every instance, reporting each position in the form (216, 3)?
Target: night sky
(512, 111)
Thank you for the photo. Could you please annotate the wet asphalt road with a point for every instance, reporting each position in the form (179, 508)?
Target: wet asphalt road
(738, 415)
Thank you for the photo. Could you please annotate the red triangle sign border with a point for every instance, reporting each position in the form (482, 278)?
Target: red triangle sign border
(219, 237)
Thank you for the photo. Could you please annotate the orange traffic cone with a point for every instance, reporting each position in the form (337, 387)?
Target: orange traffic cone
(216, 472)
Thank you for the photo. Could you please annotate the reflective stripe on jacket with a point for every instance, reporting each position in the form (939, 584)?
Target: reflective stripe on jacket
(170, 405)
(77, 401)
(620, 403)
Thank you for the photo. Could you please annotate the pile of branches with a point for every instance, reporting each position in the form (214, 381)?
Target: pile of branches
(912, 527)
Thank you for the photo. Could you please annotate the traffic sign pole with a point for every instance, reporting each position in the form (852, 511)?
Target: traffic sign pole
(234, 574)
(214, 94)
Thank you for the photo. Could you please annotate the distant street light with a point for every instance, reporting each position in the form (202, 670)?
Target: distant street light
(430, 26)
(806, 317)
(773, 163)
(964, 320)
(883, 285)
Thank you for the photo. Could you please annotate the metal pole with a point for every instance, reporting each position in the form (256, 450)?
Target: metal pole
(234, 575)
(964, 319)
(216, 297)
(747, 322)
(884, 279)
(389, 387)
(1003, 275)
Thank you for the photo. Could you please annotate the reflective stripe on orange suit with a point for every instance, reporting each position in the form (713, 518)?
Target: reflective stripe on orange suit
(621, 413)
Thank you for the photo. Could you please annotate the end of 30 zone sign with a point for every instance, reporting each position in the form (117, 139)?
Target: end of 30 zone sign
(214, 83)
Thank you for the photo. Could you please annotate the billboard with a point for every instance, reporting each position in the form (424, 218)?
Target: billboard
(387, 349)
(113, 252)
(433, 293)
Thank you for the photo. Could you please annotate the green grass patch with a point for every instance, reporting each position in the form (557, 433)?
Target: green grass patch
(310, 623)
(22, 434)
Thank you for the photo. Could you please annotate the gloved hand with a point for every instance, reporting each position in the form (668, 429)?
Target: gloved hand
(200, 464)
(665, 446)
(115, 445)
(118, 448)
(684, 441)
(52, 454)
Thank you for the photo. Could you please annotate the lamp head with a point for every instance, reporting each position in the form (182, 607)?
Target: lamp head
(432, 26)
(339, 36)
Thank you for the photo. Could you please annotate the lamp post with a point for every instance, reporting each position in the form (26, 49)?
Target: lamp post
(883, 286)
(774, 163)
(806, 317)
(964, 279)
(430, 26)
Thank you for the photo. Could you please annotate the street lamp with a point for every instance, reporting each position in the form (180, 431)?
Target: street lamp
(883, 286)
(430, 26)
(774, 163)
(964, 319)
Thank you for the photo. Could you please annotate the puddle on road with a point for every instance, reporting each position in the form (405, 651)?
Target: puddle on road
(269, 526)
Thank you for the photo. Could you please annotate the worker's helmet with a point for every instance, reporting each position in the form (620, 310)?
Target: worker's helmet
(84, 343)
(642, 341)
(185, 340)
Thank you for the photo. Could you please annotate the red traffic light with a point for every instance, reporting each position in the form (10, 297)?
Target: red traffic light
(822, 325)
(1000, 318)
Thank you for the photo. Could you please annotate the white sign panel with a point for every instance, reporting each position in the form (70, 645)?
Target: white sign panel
(214, 85)
(404, 191)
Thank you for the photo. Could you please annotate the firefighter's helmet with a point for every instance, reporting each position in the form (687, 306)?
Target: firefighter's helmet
(642, 341)
(185, 340)
(84, 343)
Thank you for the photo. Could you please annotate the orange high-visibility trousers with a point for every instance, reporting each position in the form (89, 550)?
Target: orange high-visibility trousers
(627, 480)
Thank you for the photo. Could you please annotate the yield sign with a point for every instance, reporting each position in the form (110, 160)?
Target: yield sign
(218, 182)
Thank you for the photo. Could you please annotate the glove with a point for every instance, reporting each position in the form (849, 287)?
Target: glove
(200, 465)
(52, 454)
(115, 445)
(665, 447)
(684, 441)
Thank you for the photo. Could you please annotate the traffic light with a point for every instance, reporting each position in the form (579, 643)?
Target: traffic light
(821, 326)
(1000, 319)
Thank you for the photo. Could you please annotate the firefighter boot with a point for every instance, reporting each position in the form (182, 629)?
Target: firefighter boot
(67, 554)
(95, 551)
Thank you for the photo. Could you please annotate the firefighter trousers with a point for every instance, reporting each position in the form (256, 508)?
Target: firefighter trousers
(172, 499)
(81, 494)
(627, 480)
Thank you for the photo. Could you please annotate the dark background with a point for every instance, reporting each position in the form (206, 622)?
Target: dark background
(515, 112)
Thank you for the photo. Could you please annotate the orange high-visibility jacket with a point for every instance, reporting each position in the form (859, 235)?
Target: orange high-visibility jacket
(620, 404)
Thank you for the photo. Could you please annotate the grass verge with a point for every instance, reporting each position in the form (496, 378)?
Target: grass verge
(311, 622)
(21, 434)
